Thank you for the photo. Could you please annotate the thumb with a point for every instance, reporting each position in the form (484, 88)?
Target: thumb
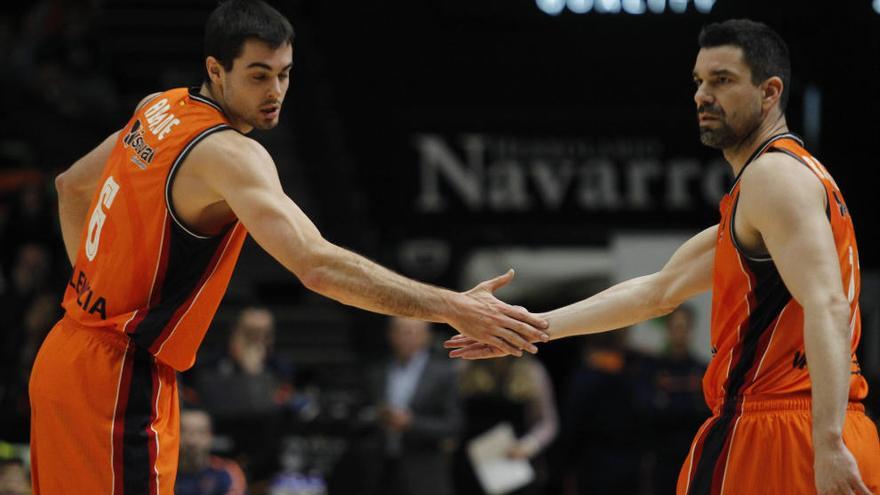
(499, 281)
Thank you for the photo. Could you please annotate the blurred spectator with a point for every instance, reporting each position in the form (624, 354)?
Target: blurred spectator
(677, 404)
(417, 415)
(27, 312)
(14, 478)
(299, 474)
(31, 221)
(199, 472)
(512, 390)
(245, 391)
(603, 419)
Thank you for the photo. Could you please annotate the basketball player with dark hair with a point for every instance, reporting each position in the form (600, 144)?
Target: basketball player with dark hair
(153, 220)
(784, 384)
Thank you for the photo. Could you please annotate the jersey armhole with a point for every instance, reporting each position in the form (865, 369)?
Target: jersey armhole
(810, 168)
(736, 244)
(732, 222)
(172, 172)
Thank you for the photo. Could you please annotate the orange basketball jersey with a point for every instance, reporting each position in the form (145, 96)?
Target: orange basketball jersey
(139, 269)
(757, 326)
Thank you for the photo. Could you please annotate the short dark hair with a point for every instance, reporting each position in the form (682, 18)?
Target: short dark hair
(764, 51)
(235, 21)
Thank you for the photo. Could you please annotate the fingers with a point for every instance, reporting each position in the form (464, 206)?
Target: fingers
(522, 314)
(499, 281)
(477, 351)
(525, 330)
(458, 342)
(511, 337)
(504, 345)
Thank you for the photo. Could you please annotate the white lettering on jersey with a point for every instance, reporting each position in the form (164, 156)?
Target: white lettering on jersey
(159, 121)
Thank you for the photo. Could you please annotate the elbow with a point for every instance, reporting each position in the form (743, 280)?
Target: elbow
(835, 307)
(662, 296)
(62, 183)
(315, 279)
(66, 186)
(315, 269)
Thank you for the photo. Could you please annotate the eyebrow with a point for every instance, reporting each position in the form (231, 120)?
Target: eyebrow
(262, 65)
(717, 72)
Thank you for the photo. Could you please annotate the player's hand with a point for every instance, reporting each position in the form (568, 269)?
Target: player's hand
(837, 472)
(484, 318)
(467, 348)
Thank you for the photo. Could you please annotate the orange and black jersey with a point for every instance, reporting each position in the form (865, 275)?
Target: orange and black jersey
(140, 270)
(757, 327)
(758, 334)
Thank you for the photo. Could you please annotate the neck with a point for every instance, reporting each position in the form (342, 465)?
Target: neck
(209, 90)
(738, 154)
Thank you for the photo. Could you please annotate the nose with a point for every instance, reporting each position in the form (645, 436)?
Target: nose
(275, 89)
(702, 96)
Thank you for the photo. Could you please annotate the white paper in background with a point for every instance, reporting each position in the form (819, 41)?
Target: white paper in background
(498, 473)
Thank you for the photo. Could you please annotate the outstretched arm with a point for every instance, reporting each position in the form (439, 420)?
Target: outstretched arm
(241, 173)
(687, 273)
(783, 202)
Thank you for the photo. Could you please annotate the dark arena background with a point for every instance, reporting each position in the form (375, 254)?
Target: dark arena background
(450, 140)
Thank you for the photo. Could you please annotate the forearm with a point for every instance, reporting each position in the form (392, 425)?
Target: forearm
(356, 281)
(619, 306)
(73, 208)
(827, 341)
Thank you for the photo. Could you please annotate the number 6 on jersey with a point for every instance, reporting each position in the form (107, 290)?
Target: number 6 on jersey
(96, 223)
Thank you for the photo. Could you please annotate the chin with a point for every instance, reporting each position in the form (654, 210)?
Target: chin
(710, 140)
(264, 125)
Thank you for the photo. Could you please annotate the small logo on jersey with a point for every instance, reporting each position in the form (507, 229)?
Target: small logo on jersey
(800, 360)
(159, 120)
(143, 153)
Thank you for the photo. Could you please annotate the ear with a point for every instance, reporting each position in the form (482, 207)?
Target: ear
(215, 70)
(771, 91)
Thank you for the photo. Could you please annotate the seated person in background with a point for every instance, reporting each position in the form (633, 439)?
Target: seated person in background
(245, 393)
(516, 391)
(244, 382)
(199, 472)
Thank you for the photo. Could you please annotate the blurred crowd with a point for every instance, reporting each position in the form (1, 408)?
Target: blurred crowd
(255, 421)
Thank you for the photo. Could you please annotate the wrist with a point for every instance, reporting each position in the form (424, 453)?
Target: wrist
(451, 304)
(827, 439)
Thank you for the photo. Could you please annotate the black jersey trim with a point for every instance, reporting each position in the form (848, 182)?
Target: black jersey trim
(173, 171)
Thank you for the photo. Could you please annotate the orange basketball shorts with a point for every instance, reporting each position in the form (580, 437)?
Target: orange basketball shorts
(767, 447)
(104, 416)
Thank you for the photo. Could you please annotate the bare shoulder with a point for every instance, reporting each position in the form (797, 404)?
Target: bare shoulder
(229, 159)
(778, 190)
(778, 177)
(231, 147)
